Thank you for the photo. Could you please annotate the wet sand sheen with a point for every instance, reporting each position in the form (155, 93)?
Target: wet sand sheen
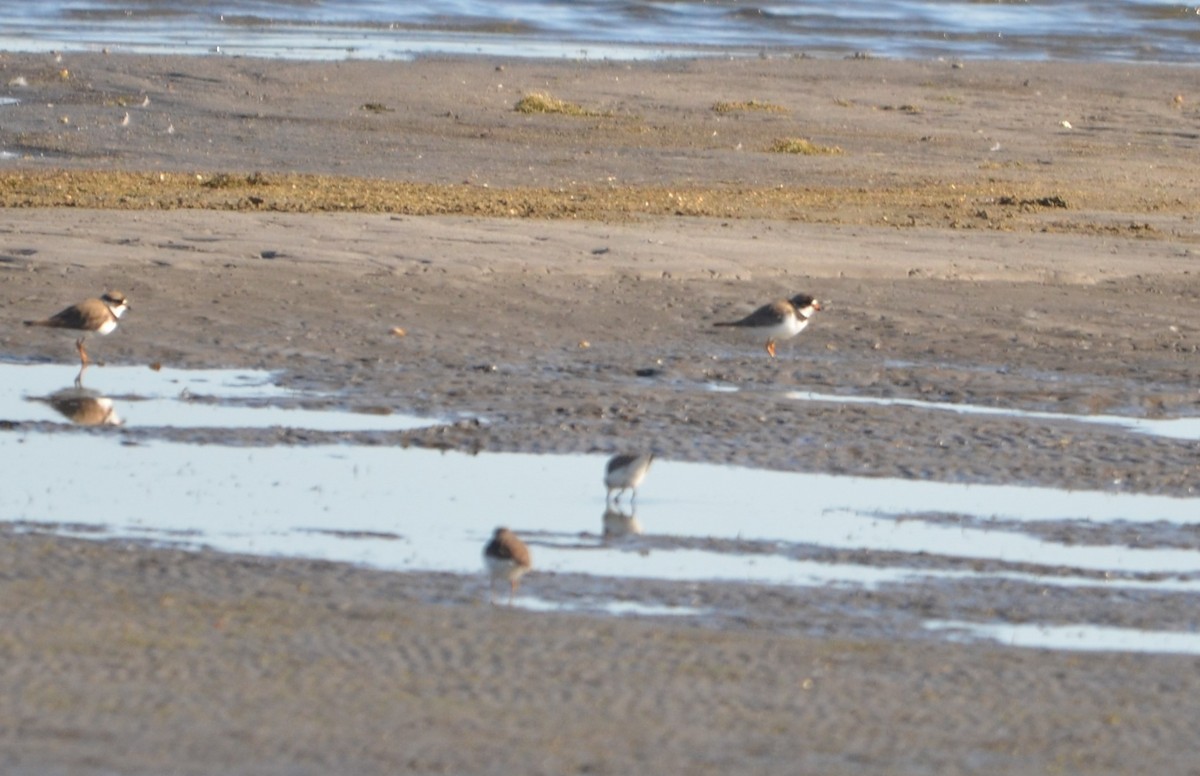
(126, 657)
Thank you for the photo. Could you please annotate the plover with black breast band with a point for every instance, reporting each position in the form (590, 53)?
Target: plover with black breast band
(779, 320)
(91, 316)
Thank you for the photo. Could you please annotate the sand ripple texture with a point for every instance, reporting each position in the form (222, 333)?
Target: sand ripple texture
(307, 667)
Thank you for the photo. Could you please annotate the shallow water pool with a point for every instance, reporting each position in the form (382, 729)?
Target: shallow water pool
(141, 397)
(414, 509)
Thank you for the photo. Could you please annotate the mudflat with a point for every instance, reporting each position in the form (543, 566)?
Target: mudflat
(1014, 235)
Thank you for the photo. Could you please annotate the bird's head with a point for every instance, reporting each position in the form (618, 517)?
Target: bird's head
(116, 301)
(805, 304)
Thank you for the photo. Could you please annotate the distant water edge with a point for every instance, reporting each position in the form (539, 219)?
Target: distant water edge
(1070, 30)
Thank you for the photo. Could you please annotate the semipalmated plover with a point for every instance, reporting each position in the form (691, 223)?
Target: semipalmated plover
(779, 320)
(92, 316)
(626, 472)
(506, 557)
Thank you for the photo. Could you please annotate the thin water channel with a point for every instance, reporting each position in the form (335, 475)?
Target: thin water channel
(1171, 428)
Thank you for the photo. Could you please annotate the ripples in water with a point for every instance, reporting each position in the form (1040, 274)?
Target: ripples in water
(1116, 30)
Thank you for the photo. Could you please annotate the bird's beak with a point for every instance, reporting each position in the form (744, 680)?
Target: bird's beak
(816, 305)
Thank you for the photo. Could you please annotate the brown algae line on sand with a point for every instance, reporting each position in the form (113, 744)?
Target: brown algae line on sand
(928, 202)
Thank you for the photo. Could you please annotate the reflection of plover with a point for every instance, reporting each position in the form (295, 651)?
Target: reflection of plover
(506, 557)
(93, 316)
(779, 320)
(626, 472)
(618, 524)
(86, 410)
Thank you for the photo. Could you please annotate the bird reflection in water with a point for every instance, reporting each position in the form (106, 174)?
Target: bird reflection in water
(83, 407)
(619, 524)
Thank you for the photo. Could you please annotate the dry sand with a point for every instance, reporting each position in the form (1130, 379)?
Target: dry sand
(289, 215)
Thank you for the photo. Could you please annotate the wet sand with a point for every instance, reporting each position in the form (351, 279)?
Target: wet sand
(559, 276)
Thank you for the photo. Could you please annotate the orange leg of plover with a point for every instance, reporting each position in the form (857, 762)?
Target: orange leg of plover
(771, 348)
(83, 356)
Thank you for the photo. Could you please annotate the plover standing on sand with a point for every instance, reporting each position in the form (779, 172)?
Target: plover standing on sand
(92, 316)
(779, 320)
